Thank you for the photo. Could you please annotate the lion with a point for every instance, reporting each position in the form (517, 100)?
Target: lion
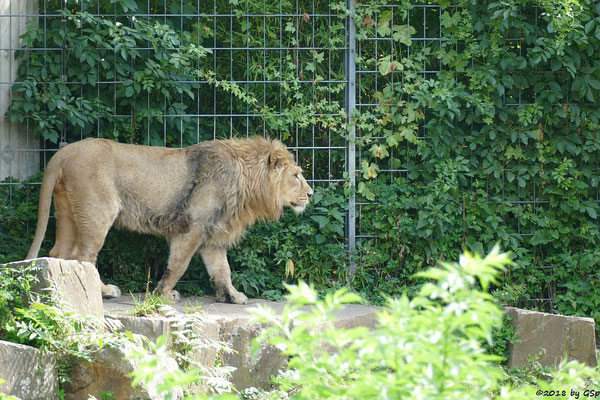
(200, 198)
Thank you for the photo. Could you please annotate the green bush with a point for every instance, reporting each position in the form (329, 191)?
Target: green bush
(43, 322)
(15, 283)
(18, 213)
(430, 346)
(40, 321)
(498, 141)
(102, 49)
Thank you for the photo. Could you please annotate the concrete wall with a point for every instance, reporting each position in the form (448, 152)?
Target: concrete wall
(19, 155)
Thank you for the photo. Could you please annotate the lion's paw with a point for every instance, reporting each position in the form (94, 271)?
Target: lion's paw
(110, 291)
(171, 295)
(230, 295)
(238, 298)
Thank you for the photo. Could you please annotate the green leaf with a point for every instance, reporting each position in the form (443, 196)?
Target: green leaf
(321, 220)
(541, 237)
(594, 83)
(129, 5)
(385, 65)
(591, 212)
(289, 27)
(50, 135)
(364, 190)
(350, 297)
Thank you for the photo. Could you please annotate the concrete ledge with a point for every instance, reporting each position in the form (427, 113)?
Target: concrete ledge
(153, 327)
(29, 373)
(77, 283)
(234, 325)
(550, 337)
(109, 372)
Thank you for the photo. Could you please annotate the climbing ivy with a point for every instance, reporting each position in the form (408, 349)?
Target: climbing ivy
(498, 144)
(69, 92)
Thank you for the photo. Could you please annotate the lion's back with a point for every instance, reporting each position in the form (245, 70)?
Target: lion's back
(141, 181)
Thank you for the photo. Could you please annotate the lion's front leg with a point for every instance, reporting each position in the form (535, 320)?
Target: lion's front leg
(215, 259)
(182, 248)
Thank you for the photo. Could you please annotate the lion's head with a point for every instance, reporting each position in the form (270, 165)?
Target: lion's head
(289, 184)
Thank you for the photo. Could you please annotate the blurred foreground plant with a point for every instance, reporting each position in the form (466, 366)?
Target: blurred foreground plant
(428, 347)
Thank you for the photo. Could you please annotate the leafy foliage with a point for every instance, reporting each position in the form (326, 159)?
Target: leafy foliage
(5, 396)
(313, 243)
(185, 344)
(15, 283)
(39, 320)
(68, 101)
(495, 134)
(436, 335)
(18, 212)
(430, 345)
(150, 305)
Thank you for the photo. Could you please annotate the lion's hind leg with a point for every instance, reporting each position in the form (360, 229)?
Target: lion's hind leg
(93, 219)
(65, 246)
(89, 243)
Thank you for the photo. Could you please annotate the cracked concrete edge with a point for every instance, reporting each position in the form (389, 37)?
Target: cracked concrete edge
(550, 336)
(74, 282)
(29, 372)
(237, 330)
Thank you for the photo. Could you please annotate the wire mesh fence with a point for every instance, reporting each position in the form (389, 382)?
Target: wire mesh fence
(262, 50)
(252, 49)
(207, 70)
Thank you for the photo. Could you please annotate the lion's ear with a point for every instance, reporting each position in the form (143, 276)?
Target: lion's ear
(277, 159)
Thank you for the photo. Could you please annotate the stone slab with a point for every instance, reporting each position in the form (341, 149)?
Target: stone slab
(153, 327)
(29, 373)
(215, 310)
(550, 337)
(77, 283)
(109, 373)
(237, 328)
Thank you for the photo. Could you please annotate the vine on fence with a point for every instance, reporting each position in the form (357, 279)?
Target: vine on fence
(501, 144)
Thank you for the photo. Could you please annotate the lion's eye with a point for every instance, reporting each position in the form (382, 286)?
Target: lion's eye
(297, 176)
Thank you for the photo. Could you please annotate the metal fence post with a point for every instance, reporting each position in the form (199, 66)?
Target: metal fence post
(351, 160)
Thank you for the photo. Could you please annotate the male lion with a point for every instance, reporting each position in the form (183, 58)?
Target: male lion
(200, 198)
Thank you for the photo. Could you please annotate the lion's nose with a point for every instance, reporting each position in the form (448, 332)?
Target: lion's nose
(310, 193)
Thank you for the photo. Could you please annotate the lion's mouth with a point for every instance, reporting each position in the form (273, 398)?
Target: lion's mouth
(301, 202)
(299, 206)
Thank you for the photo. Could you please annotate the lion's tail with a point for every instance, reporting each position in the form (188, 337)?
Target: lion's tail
(50, 178)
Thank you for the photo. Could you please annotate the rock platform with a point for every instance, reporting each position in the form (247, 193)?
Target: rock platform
(231, 324)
